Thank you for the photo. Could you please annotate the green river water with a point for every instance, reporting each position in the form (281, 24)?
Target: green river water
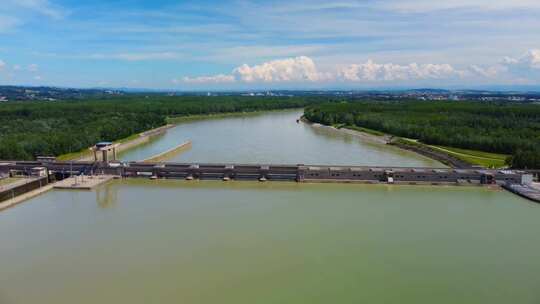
(142, 241)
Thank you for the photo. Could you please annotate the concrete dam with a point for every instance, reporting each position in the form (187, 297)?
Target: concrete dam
(270, 172)
(518, 182)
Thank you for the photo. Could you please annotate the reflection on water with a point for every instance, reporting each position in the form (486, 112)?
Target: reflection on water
(106, 196)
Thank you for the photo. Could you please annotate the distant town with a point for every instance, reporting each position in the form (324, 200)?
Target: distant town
(23, 93)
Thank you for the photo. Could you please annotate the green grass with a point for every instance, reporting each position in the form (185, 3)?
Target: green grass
(485, 159)
(74, 155)
(474, 157)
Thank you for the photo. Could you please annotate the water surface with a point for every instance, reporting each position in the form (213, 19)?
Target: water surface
(274, 137)
(140, 241)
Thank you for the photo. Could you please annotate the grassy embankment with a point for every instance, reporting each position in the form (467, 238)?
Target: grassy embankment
(473, 157)
(485, 159)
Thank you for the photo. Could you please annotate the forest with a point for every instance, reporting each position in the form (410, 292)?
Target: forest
(507, 128)
(29, 129)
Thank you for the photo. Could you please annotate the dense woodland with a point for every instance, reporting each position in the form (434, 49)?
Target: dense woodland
(507, 128)
(29, 129)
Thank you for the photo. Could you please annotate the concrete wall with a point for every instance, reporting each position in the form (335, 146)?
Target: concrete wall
(283, 172)
(21, 189)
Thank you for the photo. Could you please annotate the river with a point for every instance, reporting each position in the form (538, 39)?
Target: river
(141, 241)
(273, 137)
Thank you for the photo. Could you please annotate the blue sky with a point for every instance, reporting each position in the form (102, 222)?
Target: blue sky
(185, 45)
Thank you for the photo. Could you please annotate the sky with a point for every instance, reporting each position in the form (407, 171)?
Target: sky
(293, 44)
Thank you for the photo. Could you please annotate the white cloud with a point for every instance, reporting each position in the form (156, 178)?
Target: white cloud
(530, 60)
(487, 72)
(2, 64)
(295, 70)
(371, 71)
(303, 69)
(299, 69)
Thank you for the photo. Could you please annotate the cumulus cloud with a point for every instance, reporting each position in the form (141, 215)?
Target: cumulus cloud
(487, 72)
(530, 60)
(372, 71)
(299, 69)
(2, 64)
(295, 70)
(303, 69)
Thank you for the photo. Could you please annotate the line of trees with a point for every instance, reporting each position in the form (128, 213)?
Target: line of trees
(508, 128)
(29, 129)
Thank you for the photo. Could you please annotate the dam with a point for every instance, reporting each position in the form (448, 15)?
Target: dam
(272, 172)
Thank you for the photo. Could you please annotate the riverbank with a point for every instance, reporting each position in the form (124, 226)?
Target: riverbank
(187, 118)
(453, 157)
(427, 151)
(381, 139)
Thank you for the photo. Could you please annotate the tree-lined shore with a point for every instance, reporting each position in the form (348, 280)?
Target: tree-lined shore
(504, 128)
(29, 129)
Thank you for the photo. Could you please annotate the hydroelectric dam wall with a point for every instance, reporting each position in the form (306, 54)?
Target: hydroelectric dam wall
(270, 172)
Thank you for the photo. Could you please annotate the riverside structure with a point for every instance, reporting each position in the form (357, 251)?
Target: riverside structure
(269, 172)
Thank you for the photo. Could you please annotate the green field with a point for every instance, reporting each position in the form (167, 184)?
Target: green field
(485, 159)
